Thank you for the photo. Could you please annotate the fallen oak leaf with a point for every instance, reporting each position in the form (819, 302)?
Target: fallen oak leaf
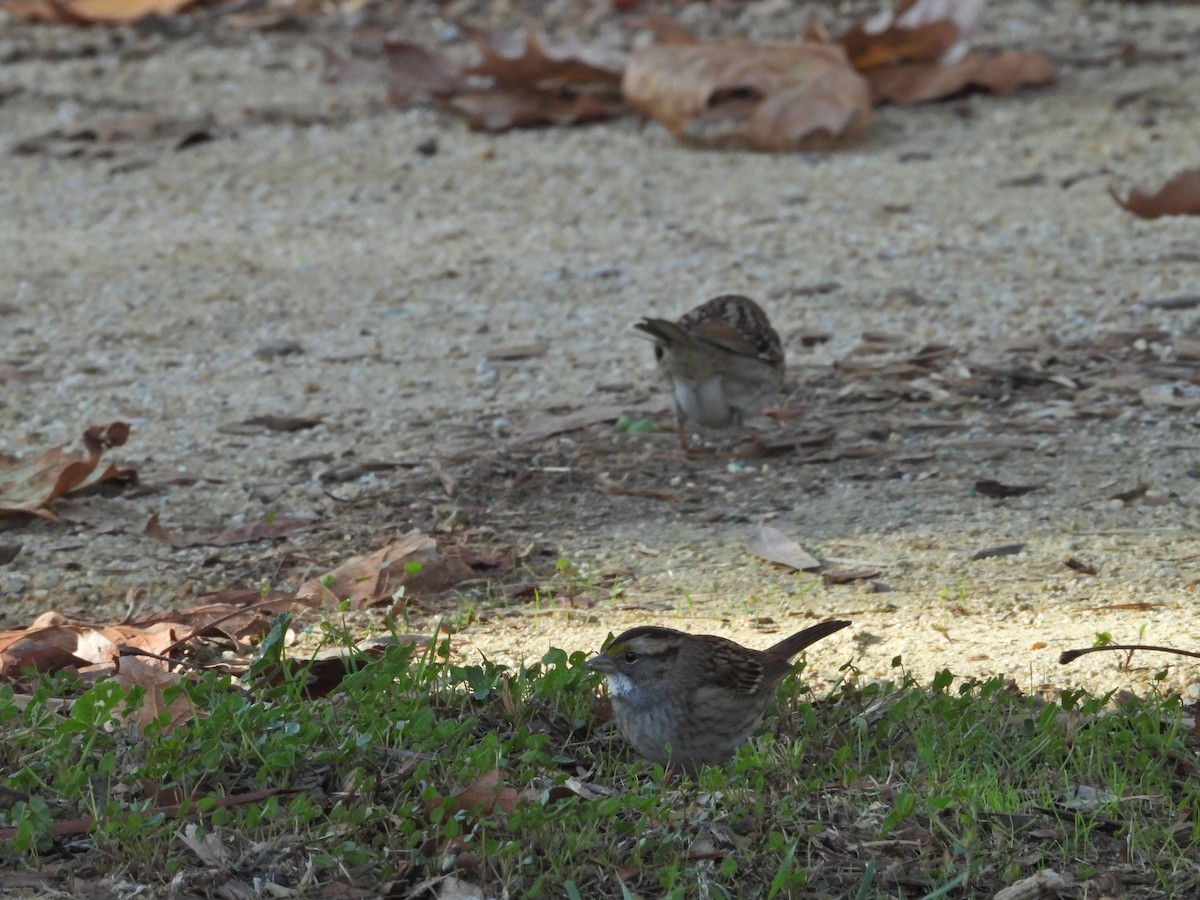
(280, 526)
(52, 648)
(769, 97)
(412, 562)
(155, 680)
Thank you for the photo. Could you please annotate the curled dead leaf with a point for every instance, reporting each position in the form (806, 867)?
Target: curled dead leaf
(1178, 197)
(894, 45)
(29, 486)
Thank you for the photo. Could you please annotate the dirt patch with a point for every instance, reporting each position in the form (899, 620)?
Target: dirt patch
(959, 297)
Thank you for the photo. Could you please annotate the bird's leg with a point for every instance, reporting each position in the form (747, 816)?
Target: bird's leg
(689, 450)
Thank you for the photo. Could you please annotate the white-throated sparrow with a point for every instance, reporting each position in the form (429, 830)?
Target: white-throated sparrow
(692, 699)
(723, 360)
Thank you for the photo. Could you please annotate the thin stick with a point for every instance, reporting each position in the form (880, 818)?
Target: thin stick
(1071, 655)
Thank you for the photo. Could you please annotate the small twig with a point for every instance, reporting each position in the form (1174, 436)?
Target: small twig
(1071, 655)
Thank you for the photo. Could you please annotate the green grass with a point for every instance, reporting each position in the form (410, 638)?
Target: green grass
(877, 790)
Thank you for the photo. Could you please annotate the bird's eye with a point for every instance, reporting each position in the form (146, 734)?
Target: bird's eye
(629, 656)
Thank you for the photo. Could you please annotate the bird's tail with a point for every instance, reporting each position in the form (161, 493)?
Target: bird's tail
(790, 646)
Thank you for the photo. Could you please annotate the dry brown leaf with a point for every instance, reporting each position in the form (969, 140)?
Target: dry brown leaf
(53, 647)
(769, 97)
(514, 86)
(155, 679)
(1178, 197)
(916, 31)
(280, 526)
(52, 642)
(773, 545)
(413, 562)
(922, 82)
(29, 486)
(485, 796)
(236, 614)
(88, 12)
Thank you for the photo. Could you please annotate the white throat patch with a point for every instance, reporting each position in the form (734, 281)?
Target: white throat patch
(619, 685)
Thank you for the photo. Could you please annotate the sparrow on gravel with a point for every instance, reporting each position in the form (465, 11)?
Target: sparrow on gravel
(723, 360)
(692, 699)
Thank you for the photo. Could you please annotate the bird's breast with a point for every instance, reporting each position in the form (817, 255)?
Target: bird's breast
(703, 402)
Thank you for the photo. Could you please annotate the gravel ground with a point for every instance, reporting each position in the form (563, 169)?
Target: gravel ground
(325, 256)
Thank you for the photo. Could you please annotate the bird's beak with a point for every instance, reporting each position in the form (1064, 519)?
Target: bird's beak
(601, 662)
